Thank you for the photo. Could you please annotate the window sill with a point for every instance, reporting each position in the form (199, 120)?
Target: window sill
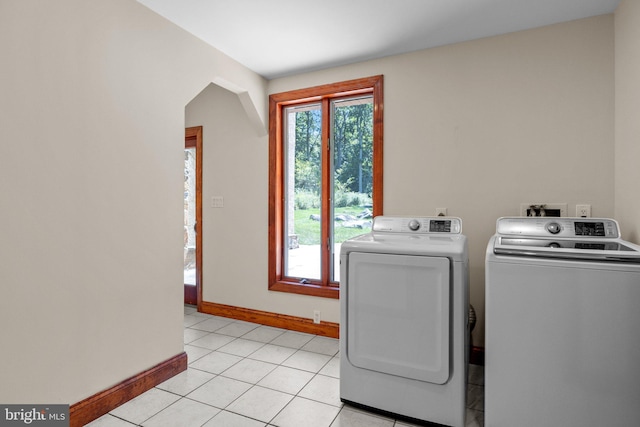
(306, 289)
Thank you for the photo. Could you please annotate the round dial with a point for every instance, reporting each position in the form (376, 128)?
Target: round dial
(553, 228)
(414, 224)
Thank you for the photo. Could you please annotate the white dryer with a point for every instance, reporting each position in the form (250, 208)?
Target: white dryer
(404, 319)
(562, 324)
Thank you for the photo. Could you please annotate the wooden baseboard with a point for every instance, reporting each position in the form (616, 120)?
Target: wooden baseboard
(95, 406)
(299, 324)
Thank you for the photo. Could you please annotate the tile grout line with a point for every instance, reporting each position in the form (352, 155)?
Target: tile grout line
(296, 349)
(293, 396)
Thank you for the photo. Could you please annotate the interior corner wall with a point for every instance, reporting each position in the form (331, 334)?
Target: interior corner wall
(627, 125)
(91, 177)
(235, 237)
(483, 126)
(235, 167)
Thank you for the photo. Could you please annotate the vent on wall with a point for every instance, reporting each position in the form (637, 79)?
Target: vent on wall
(543, 209)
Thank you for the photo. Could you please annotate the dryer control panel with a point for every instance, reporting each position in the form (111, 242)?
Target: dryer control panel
(418, 225)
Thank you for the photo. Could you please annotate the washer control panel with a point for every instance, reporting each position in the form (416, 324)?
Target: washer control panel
(558, 227)
(421, 225)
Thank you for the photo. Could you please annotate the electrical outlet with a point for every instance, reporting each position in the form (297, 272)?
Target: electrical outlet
(316, 316)
(583, 211)
(441, 211)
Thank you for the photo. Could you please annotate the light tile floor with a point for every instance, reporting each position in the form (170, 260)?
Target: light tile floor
(244, 374)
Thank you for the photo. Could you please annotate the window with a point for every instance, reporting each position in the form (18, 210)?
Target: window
(325, 180)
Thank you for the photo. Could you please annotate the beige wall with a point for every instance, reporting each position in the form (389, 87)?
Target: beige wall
(627, 124)
(91, 157)
(476, 127)
(479, 128)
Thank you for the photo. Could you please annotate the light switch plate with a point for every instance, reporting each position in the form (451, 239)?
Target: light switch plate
(217, 202)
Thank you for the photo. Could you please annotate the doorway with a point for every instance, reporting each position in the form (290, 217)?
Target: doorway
(193, 215)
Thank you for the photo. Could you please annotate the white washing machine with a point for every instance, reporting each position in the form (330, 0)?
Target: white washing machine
(404, 319)
(562, 324)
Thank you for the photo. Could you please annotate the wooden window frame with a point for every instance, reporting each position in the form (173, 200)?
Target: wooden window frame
(277, 103)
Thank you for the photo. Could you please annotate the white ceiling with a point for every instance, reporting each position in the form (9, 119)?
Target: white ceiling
(276, 38)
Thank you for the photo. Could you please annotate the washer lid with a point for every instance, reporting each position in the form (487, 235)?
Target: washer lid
(424, 236)
(451, 246)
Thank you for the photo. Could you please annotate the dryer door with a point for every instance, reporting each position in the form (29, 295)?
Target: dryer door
(398, 315)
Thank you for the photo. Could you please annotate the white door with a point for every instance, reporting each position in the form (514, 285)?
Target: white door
(398, 315)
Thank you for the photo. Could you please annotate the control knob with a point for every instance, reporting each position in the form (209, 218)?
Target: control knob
(414, 225)
(553, 228)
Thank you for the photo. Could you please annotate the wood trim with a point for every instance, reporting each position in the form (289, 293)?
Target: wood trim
(346, 88)
(299, 324)
(368, 85)
(311, 289)
(275, 194)
(378, 137)
(325, 226)
(101, 403)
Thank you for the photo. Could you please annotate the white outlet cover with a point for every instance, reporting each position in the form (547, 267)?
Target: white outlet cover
(585, 208)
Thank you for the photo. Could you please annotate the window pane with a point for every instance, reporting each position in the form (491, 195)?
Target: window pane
(302, 146)
(352, 169)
